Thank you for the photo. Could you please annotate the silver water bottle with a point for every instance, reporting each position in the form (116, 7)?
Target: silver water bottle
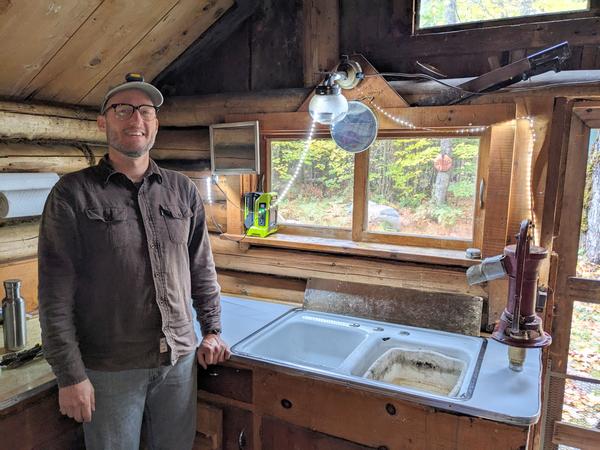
(13, 310)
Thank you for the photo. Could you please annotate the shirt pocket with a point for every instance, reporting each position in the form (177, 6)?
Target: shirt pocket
(109, 223)
(177, 220)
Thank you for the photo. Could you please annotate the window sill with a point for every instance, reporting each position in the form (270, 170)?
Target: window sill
(367, 249)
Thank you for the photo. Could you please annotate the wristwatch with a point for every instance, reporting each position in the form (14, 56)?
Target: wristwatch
(216, 331)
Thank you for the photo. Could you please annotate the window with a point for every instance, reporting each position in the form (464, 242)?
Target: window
(423, 186)
(421, 190)
(435, 13)
(428, 186)
(321, 194)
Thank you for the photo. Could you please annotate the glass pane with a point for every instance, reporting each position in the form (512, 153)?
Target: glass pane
(582, 404)
(423, 186)
(434, 13)
(584, 347)
(588, 260)
(322, 191)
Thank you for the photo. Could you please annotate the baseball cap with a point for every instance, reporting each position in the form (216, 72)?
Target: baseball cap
(134, 81)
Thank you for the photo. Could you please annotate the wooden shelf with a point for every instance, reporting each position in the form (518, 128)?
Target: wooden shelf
(367, 249)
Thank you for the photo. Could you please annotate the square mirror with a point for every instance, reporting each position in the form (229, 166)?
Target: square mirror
(234, 148)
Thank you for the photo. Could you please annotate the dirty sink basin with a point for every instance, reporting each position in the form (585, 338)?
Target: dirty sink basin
(375, 354)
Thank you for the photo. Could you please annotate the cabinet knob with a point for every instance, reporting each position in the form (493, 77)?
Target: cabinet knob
(286, 403)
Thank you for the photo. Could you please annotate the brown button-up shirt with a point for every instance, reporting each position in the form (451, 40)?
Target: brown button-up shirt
(122, 267)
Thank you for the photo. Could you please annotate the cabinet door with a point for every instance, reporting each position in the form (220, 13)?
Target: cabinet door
(277, 434)
(223, 427)
(237, 429)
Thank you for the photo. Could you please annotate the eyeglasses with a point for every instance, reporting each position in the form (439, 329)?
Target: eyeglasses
(124, 111)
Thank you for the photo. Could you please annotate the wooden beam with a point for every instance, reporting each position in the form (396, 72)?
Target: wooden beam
(262, 286)
(171, 145)
(343, 245)
(498, 181)
(41, 109)
(567, 243)
(558, 143)
(58, 164)
(210, 109)
(576, 436)
(442, 117)
(303, 264)
(232, 188)
(360, 195)
(321, 38)
(18, 241)
(578, 32)
(202, 49)
(29, 126)
(583, 289)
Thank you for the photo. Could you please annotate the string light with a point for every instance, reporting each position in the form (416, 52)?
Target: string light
(480, 129)
(412, 126)
(528, 175)
(296, 172)
(209, 181)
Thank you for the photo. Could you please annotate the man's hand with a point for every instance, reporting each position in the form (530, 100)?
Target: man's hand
(77, 401)
(212, 350)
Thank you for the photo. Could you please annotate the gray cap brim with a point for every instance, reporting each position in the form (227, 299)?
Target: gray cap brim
(155, 96)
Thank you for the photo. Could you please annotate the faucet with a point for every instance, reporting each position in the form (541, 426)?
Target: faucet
(519, 326)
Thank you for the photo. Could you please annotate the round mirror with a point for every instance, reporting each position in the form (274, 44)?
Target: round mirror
(357, 131)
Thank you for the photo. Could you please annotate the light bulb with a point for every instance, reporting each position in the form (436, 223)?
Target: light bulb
(328, 105)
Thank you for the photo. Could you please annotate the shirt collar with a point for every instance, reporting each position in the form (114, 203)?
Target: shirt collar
(107, 171)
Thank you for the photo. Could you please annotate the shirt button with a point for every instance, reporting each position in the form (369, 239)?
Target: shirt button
(156, 274)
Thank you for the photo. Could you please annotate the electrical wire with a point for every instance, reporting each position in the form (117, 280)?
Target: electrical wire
(214, 221)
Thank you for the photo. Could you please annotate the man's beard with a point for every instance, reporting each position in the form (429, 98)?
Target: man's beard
(114, 142)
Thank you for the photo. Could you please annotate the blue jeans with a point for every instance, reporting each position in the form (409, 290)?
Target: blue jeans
(163, 398)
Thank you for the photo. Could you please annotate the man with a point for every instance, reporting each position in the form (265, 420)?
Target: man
(125, 274)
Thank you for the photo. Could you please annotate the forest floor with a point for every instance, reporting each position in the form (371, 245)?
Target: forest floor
(582, 400)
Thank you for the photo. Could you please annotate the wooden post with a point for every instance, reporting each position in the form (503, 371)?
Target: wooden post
(232, 187)
(321, 38)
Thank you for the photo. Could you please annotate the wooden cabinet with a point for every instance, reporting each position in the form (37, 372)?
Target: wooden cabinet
(277, 435)
(283, 410)
(37, 424)
(225, 409)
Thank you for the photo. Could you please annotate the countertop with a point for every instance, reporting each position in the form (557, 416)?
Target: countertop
(240, 317)
(500, 394)
(33, 377)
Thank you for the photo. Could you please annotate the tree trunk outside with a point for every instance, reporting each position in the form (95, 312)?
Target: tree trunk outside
(442, 179)
(592, 237)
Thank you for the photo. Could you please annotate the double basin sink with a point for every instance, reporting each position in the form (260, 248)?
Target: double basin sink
(415, 361)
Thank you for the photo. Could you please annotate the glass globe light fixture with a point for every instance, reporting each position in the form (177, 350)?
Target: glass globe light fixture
(328, 105)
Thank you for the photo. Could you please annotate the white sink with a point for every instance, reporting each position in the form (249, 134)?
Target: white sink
(376, 354)
(306, 340)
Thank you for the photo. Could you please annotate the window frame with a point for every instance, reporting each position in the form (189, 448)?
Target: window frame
(593, 9)
(496, 145)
